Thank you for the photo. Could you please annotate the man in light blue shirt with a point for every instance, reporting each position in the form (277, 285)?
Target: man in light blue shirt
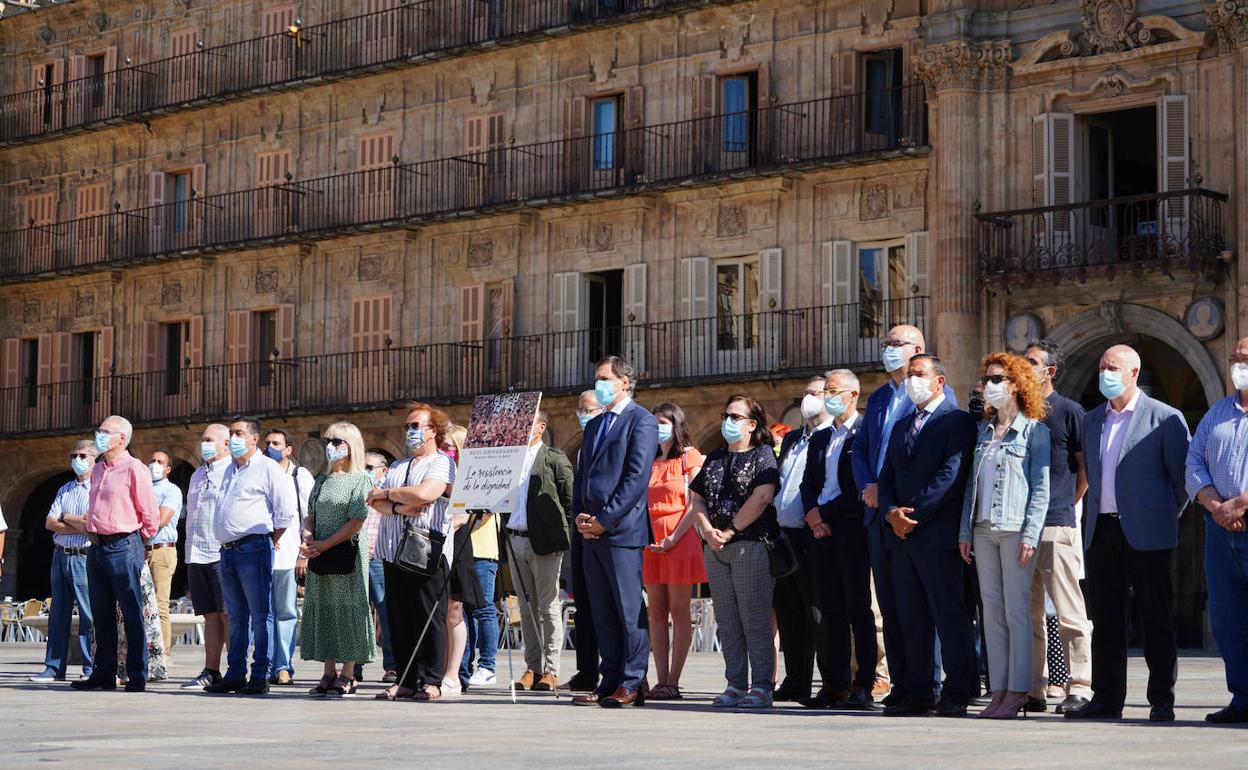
(67, 520)
(162, 547)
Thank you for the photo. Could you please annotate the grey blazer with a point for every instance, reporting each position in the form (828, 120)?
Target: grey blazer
(1149, 482)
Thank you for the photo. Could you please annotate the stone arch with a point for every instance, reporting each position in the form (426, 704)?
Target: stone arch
(1120, 322)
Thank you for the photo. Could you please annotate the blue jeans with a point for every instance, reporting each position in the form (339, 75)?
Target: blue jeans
(283, 621)
(69, 585)
(247, 585)
(1226, 572)
(482, 623)
(114, 572)
(377, 597)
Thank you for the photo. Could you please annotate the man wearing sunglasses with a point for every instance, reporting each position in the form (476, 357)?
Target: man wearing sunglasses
(286, 560)
(67, 520)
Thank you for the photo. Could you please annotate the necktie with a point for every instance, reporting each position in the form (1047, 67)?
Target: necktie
(601, 438)
(920, 417)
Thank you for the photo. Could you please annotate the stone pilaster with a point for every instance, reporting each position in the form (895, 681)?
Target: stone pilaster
(959, 77)
(1228, 19)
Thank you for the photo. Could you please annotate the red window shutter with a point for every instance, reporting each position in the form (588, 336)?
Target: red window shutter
(62, 356)
(45, 359)
(238, 337)
(90, 226)
(12, 363)
(151, 347)
(183, 67)
(195, 347)
(157, 212)
(279, 44)
(470, 312)
(286, 331)
(104, 352)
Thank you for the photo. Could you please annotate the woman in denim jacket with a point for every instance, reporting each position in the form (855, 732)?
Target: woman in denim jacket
(1007, 497)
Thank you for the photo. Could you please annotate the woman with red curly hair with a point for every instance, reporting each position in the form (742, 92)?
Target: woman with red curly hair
(1007, 498)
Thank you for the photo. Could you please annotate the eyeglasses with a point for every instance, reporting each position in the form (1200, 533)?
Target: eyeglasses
(337, 442)
(995, 379)
(1237, 360)
(588, 412)
(415, 426)
(837, 391)
(894, 344)
(80, 456)
(371, 468)
(734, 417)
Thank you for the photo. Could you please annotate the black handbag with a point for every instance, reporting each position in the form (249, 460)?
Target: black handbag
(419, 550)
(780, 555)
(339, 560)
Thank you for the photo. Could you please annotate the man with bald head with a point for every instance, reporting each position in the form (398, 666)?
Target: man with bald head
(203, 552)
(1135, 452)
(886, 407)
(1217, 476)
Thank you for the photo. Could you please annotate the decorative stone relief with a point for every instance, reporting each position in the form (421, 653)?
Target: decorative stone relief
(1111, 311)
(734, 40)
(97, 22)
(171, 294)
(602, 65)
(732, 222)
(84, 303)
(602, 237)
(482, 87)
(266, 280)
(448, 249)
(875, 202)
(32, 309)
(965, 64)
(368, 268)
(1112, 25)
(45, 34)
(876, 14)
(1229, 21)
(480, 252)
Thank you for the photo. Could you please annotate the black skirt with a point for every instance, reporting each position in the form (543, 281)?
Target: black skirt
(464, 584)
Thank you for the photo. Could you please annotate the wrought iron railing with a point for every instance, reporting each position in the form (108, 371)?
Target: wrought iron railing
(757, 141)
(748, 347)
(412, 32)
(1175, 229)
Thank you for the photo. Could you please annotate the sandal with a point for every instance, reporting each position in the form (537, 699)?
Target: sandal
(665, 692)
(431, 693)
(728, 698)
(322, 689)
(343, 688)
(394, 692)
(756, 699)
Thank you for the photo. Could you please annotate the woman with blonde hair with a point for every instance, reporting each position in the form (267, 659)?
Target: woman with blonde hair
(337, 624)
(1003, 512)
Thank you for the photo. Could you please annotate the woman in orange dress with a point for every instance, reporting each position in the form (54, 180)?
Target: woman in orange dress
(673, 564)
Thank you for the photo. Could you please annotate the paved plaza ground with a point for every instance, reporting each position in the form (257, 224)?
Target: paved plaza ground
(168, 728)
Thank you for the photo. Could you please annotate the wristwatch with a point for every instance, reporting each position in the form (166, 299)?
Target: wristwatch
(732, 528)
(61, 518)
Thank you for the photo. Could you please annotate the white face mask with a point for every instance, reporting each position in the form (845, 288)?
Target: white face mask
(1239, 376)
(158, 471)
(919, 389)
(812, 407)
(997, 394)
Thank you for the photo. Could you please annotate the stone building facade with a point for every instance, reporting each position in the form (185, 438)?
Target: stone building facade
(308, 210)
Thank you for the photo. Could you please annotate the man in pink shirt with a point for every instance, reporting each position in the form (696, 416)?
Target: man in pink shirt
(122, 513)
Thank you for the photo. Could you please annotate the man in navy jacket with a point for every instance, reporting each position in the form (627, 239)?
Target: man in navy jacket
(609, 500)
(921, 490)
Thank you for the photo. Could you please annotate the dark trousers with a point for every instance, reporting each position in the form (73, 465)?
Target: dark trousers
(411, 601)
(803, 635)
(114, 571)
(614, 578)
(931, 600)
(69, 587)
(841, 571)
(1112, 565)
(886, 597)
(586, 637)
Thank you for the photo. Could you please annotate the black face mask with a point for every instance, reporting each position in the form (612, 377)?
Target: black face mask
(976, 406)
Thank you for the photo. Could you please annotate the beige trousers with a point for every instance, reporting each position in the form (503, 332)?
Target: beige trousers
(541, 618)
(162, 562)
(1058, 560)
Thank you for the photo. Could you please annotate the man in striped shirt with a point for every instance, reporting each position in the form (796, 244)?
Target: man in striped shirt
(67, 520)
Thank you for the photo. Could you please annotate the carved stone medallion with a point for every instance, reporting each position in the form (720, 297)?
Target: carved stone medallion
(481, 253)
(266, 280)
(875, 203)
(602, 237)
(1112, 25)
(84, 303)
(732, 222)
(171, 294)
(369, 268)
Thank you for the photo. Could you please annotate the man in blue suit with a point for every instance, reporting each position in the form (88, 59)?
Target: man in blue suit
(1135, 460)
(887, 406)
(921, 489)
(609, 498)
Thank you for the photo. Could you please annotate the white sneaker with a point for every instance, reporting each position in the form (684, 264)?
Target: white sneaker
(482, 677)
(451, 690)
(47, 677)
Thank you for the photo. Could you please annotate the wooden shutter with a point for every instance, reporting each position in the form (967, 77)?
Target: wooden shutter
(695, 307)
(918, 255)
(278, 49)
(371, 369)
(471, 336)
(10, 383)
(471, 312)
(847, 73)
(376, 178)
(704, 131)
(839, 294)
(635, 328)
(1052, 153)
(272, 206)
(157, 212)
(771, 287)
(90, 226)
(381, 24)
(632, 134)
(77, 90)
(576, 154)
(472, 170)
(565, 299)
(763, 116)
(150, 361)
(44, 374)
(198, 209)
(109, 85)
(1172, 142)
(238, 337)
(104, 371)
(195, 345)
(286, 331)
(61, 386)
(183, 66)
(40, 215)
(47, 107)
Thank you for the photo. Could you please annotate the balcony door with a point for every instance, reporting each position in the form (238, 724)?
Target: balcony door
(869, 288)
(380, 32)
(47, 83)
(259, 347)
(487, 345)
(183, 66)
(376, 178)
(273, 201)
(371, 370)
(171, 370)
(730, 314)
(277, 58)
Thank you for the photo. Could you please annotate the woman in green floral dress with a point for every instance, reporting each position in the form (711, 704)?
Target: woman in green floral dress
(337, 624)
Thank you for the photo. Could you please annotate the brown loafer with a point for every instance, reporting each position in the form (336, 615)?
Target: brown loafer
(622, 697)
(547, 683)
(526, 681)
(586, 699)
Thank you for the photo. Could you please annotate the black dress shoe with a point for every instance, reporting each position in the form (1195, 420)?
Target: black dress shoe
(256, 687)
(580, 683)
(1161, 713)
(1071, 703)
(908, 707)
(895, 697)
(1035, 705)
(1231, 715)
(1093, 710)
(94, 684)
(225, 686)
(135, 685)
(947, 708)
(824, 699)
(860, 699)
(782, 694)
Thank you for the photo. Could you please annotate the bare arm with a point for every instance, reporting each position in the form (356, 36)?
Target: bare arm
(1081, 477)
(687, 520)
(754, 507)
(416, 496)
(166, 513)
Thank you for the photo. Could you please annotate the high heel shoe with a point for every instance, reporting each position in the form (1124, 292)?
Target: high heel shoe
(1010, 706)
(990, 710)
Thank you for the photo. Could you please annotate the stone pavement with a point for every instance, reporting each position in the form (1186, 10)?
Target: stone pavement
(168, 728)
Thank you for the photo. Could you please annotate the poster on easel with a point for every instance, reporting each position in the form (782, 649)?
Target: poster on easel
(491, 465)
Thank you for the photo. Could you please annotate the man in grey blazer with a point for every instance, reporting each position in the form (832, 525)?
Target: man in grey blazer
(1135, 450)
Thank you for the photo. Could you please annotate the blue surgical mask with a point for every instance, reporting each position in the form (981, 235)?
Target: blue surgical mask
(834, 406)
(79, 465)
(665, 432)
(1111, 384)
(893, 359)
(731, 431)
(604, 392)
(238, 446)
(584, 419)
(273, 453)
(415, 439)
(336, 453)
(207, 450)
(102, 441)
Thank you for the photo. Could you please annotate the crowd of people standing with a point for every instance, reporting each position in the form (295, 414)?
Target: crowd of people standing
(962, 535)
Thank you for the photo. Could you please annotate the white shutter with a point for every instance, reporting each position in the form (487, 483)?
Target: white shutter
(566, 314)
(770, 293)
(635, 316)
(695, 307)
(918, 251)
(1053, 147)
(1173, 163)
(839, 291)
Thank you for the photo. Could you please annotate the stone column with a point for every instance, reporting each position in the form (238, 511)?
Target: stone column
(1229, 21)
(958, 76)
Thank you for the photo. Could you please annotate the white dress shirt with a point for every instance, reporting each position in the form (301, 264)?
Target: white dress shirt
(1112, 435)
(257, 498)
(519, 520)
(832, 461)
(789, 510)
(287, 553)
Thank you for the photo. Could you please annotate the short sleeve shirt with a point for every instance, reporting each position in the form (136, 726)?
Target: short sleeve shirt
(1065, 424)
(729, 478)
